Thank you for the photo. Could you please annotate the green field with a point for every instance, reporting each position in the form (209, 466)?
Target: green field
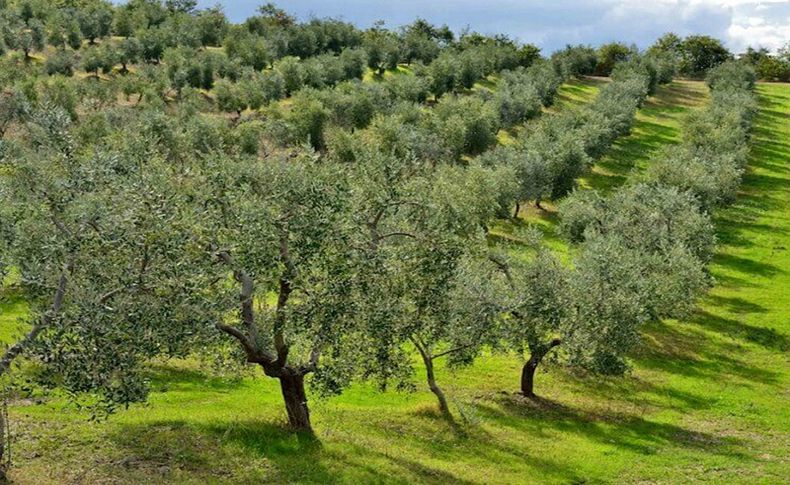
(706, 400)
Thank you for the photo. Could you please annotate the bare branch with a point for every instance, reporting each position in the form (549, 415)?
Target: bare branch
(457, 349)
(245, 296)
(107, 296)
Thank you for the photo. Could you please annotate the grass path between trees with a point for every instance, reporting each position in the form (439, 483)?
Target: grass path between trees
(707, 399)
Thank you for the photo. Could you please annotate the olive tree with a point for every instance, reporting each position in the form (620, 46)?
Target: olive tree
(230, 97)
(425, 281)
(95, 22)
(61, 62)
(731, 75)
(86, 235)
(537, 308)
(575, 61)
(99, 58)
(278, 228)
(517, 103)
(26, 37)
(129, 52)
(383, 49)
(531, 172)
(643, 253)
(469, 124)
(64, 30)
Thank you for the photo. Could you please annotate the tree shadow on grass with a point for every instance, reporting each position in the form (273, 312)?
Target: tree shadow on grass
(747, 266)
(768, 338)
(514, 231)
(688, 350)
(252, 451)
(621, 430)
(486, 447)
(164, 450)
(677, 97)
(733, 305)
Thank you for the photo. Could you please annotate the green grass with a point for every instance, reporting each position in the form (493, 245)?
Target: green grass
(575, 93)
(706, 401)
(657, 124)
(13, 308)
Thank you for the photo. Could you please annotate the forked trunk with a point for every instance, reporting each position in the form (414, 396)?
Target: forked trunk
(292, 386)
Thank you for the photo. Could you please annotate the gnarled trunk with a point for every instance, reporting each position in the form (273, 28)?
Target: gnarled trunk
(292, 387)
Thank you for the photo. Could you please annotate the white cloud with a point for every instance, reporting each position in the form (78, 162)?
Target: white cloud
(771, 36)
(764, 23)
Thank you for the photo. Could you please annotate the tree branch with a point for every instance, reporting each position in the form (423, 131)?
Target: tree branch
(421, 348)
(504, 267)
(282, 300)
(462, 347)
(46, 319)
(246, 302)
(107, 296)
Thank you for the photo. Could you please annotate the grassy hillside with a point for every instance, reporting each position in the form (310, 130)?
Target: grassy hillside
(706, 399)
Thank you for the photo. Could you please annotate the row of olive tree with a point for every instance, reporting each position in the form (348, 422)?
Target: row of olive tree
(712, 158)
(156, 131)
(659, 229)
(155, 244)
(548, 159)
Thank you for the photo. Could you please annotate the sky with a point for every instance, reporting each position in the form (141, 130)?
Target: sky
(553, 24)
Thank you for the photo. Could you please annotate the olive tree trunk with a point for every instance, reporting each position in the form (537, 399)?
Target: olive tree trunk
(427, 360)
(537, 353)
(435, 389)
(295, 397)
